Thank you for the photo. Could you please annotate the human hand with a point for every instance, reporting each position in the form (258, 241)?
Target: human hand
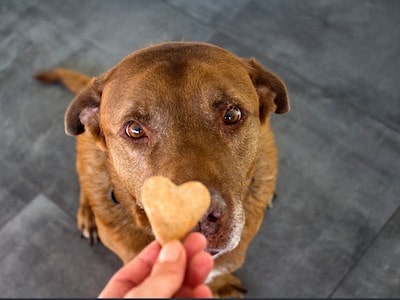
(175, 270)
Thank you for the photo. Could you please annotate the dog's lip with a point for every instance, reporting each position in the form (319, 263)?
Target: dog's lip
(213, 252)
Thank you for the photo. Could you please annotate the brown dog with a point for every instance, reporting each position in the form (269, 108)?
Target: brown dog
(187, 111)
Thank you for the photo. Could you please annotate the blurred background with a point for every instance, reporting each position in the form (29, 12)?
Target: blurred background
(334, 230)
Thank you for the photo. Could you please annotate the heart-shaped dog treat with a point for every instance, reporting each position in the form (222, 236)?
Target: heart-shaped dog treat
(173, 211)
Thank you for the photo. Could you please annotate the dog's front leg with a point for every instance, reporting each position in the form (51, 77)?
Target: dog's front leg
(86, 220)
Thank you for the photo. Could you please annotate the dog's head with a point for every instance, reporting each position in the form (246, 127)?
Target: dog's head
(187, 111)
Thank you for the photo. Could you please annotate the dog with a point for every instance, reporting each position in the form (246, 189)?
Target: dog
(187, 111)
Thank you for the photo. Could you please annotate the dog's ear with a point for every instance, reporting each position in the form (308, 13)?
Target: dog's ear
(83, 112)
(270, 89)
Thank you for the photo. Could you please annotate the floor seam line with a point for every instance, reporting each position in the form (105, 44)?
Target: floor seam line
(363, 253)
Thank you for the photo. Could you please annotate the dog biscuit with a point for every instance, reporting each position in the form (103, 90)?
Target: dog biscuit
(173, 211)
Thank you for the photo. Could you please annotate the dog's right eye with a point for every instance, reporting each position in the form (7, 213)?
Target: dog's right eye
(134, 130)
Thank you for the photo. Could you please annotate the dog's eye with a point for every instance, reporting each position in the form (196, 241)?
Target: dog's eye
(232, 116)
(134, 130)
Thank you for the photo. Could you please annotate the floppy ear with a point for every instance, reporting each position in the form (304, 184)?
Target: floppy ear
(83, 113)
(270, 89)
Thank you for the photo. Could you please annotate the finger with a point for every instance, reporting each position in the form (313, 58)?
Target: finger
(184, 292)
(167, 275)
(198, 269)
(194, 243)
(202, 291)
(133, 273)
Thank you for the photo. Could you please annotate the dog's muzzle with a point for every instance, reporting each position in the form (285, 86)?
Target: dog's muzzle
(219, 226)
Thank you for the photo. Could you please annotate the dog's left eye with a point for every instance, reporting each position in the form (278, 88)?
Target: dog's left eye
(134, 130)
(232, 115)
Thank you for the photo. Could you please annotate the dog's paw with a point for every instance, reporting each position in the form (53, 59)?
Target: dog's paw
(227, 286)
(87, 224)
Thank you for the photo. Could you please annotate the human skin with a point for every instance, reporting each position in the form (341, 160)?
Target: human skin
(174, 270)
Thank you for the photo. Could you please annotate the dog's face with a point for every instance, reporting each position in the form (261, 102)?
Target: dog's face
(188, 112)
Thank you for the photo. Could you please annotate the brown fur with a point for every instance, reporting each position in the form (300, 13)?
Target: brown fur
(179, 93)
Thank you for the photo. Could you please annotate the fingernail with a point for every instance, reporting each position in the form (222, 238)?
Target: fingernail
(170, 252)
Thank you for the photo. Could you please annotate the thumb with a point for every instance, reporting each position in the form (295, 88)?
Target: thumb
(167, 275)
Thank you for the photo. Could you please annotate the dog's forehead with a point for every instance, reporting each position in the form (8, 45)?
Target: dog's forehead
(188, 76)
(176, 58)
(176, 51)
(181, 68)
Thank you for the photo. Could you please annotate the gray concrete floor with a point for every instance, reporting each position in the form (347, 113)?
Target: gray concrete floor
(334, 230)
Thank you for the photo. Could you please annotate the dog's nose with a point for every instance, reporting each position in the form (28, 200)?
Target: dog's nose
(213, 216)
(210, 222)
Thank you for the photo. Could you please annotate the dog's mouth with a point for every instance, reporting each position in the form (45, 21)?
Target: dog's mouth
(221, 225)
(214, 253)
(212, 247)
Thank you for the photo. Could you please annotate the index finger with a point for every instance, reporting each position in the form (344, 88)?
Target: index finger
(133, 273)
(194, 243)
